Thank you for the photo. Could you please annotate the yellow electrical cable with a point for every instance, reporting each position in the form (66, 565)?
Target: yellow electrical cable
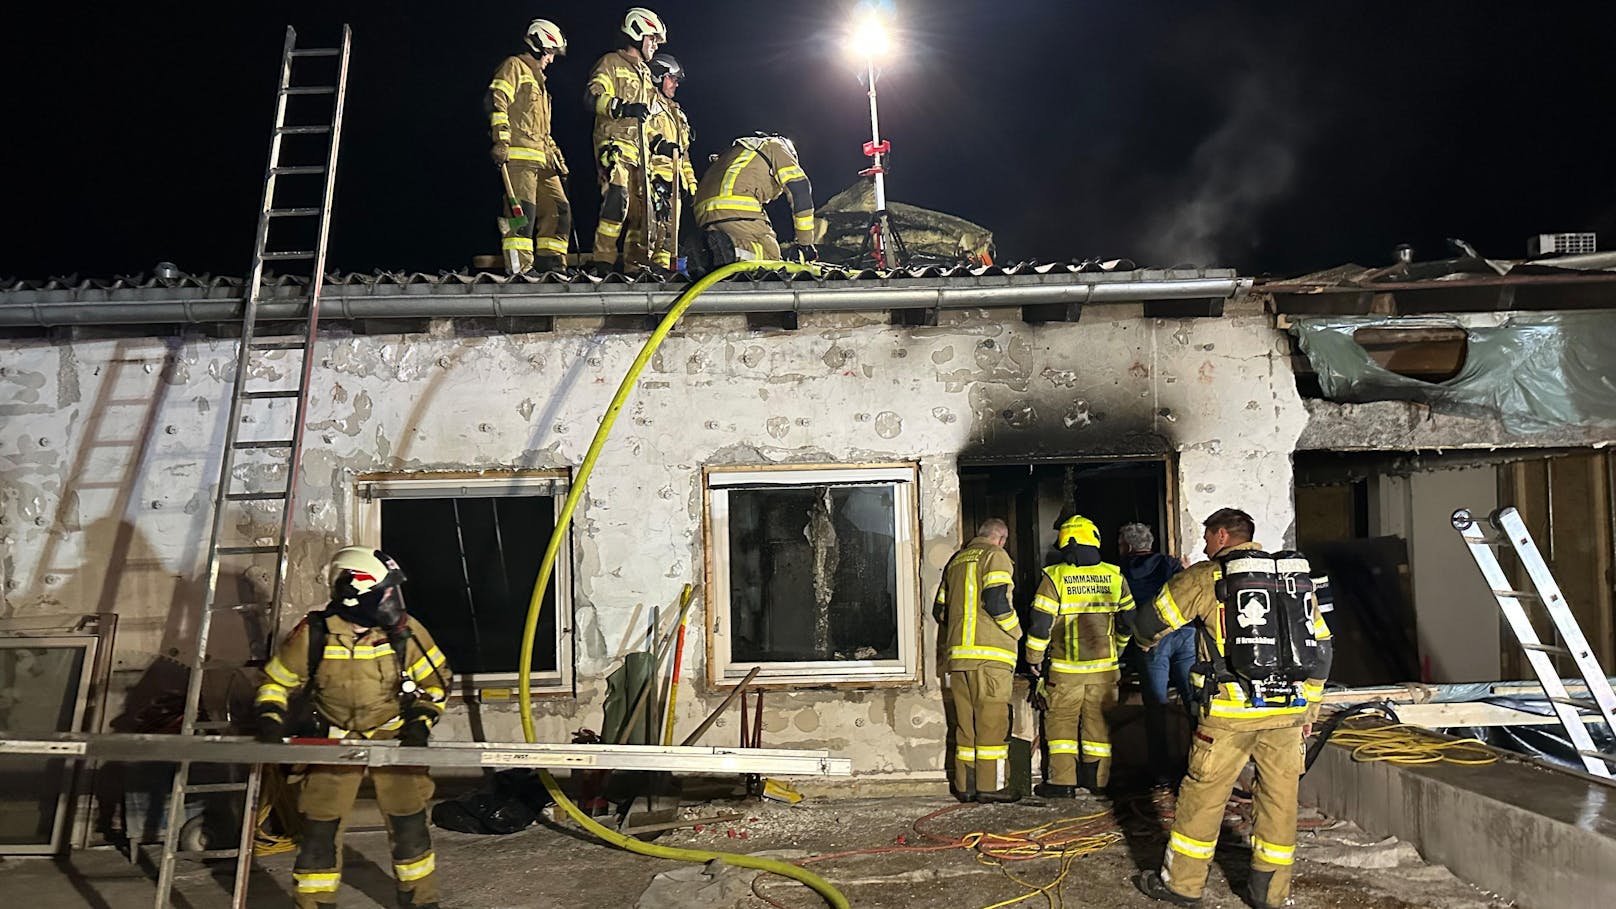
(536, 603)
(1403, 743)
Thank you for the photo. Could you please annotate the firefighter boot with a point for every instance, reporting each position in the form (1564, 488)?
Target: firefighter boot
(1000, 796)
(1150, 883)
(1088, 776)
(544, 264)
(1054, 791)
(1257, 890)
(967, 794)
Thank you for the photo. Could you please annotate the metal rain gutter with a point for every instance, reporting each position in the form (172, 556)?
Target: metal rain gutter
(346, 302)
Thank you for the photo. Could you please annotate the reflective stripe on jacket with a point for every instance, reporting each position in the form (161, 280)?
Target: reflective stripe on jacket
(1074, 615)
(975, 635)
(619, 76)
(668, 121)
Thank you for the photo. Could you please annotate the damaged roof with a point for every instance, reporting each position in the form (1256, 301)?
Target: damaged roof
(1468, 282)
(174, 297)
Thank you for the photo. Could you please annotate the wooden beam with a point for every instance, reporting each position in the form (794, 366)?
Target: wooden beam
(1476, 713)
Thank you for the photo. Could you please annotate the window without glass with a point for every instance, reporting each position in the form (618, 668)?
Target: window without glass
(814, 573)
(470, 550)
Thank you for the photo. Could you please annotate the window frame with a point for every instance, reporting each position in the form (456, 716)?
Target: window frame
(905, 670)
(370, 491)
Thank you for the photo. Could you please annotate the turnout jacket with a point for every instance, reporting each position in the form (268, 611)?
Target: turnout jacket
(519, 112)
(668, 121)
(750, 175)
(973, 604)
(356, 685)
(618, 76)
(1083, 615)
(1191, 596)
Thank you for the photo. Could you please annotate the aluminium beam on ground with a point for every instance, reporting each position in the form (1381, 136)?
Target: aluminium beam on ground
(216, 749)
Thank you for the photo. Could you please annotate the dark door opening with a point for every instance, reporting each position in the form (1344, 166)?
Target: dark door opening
(1034, 498)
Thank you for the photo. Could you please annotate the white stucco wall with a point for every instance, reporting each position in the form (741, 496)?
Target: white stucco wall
(86, 528)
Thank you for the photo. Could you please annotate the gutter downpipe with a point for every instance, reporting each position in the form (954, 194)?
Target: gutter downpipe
(337, 305)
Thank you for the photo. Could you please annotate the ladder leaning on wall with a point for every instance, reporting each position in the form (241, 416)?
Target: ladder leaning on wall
(235, 507)
(1507, 529)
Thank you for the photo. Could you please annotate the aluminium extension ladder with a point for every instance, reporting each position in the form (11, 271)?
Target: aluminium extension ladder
(1507, 529)
(233, 506)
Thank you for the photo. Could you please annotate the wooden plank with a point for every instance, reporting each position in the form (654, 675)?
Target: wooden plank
(1475, 713)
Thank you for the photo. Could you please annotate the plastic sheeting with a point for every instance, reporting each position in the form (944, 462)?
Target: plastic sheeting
(1535, 372)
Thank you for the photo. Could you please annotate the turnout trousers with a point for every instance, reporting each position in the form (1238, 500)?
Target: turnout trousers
(549, 216)
(1075, 726)
(1217, 755)
(328, 796)
(740, 239)
(981, 726)
(622, 206)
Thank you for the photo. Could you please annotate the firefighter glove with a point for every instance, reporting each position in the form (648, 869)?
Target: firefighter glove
(622, 110)
(663, 147)
(415, 733)
(271, 728)
(501, 152)
(806, 252)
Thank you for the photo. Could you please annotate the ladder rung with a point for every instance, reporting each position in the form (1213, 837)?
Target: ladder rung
(273, 393)
(297, 343)
(1546, 648)
(202, 855)
(248, 550)
(1583, 703)
(299, 169)
(317, 52)
(216, 787)
(309, 89)
(282, 255)
(264, 443)
(255, 496)
(1517, 594)
(293, 212)
(302, 130)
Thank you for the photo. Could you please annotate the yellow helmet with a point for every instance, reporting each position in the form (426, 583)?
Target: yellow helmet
(1078, 529)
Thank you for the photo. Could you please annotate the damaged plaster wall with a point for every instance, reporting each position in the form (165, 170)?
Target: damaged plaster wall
(1407, 426)
(87, 528)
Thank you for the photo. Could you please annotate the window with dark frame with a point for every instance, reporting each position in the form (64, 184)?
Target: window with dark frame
(470, 565)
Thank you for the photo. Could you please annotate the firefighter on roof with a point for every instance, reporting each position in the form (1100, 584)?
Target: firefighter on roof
(1264, 658)
(672, 129)
(1082, 614)
(620, 94)
(732, 194)
(973, 605)
(371, 672)
(519, 121)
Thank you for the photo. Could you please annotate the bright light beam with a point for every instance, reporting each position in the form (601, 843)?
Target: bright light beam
(870, 40)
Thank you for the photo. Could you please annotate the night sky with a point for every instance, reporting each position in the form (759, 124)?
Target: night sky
(1273, 137)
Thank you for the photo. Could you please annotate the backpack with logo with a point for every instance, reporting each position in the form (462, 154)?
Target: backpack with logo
(1268, 641)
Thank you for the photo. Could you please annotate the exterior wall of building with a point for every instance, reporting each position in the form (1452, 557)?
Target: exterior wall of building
(109, 449)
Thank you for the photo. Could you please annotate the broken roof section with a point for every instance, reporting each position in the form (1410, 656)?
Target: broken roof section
(929, 237)
(1468, 282)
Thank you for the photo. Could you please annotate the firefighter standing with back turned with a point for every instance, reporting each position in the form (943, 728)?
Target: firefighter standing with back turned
(372, 672)
(619, 94)
(1265, 721)
(973, 605)
(1084, 608)
(673, 134)
(519, 121)
(730, 200)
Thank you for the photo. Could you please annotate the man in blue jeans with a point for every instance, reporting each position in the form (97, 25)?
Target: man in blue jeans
(1170, 660)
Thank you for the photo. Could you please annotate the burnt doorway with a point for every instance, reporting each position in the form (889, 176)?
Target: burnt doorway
(1034, 498)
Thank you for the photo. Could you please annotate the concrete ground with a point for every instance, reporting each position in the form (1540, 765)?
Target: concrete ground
(555, 866)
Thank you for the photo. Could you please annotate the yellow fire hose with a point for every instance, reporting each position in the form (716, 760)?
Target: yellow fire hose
(536, 603)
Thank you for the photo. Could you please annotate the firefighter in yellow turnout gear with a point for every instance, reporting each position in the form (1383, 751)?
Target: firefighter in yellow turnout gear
(973, 605)
(673, 134)
(620, 93)
(730, 200)
(1082, 614)
(372, 672)
(1232, 730)
(519, 122)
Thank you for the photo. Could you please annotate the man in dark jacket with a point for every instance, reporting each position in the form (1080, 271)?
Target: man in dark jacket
(1170, 660)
